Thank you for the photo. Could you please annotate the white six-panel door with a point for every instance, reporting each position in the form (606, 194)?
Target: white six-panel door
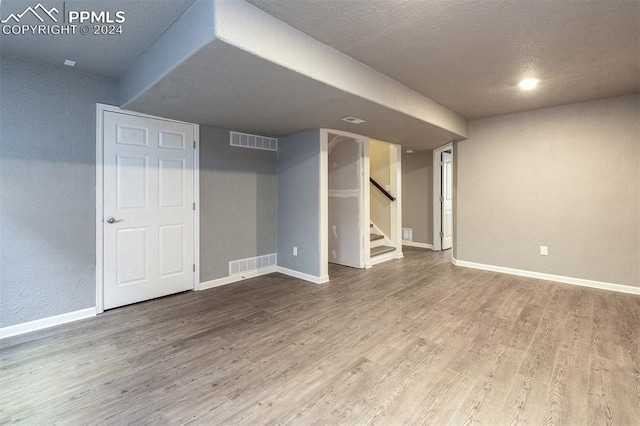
(148, 208)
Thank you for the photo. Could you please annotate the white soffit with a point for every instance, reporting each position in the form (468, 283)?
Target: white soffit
(230, 64)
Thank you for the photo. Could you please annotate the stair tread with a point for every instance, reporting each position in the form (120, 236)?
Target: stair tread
(375, 237)
(381, 250)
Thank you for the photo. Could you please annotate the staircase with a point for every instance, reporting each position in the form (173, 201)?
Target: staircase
(379, 243)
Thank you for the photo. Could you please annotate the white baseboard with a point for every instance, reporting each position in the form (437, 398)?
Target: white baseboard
(301, 275)
(550, 277)
(399, 255)
(419, 245)
(27, 327)
(236, 277)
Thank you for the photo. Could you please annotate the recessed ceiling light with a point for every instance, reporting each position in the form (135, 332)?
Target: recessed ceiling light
(353, 120)
(529, 83)
(409, 151)
(69, 63)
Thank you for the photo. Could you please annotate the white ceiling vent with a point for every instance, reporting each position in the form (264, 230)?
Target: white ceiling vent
(353, 120)
(246, 140)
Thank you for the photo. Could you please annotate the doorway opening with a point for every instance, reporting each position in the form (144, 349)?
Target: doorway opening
(443, 197)
(385, 236)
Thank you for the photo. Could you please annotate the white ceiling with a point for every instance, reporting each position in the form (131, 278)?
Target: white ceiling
(110, 55)
(468, 55)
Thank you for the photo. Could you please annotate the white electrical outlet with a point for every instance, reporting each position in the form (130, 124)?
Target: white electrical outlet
(295, 251)
(544, 250)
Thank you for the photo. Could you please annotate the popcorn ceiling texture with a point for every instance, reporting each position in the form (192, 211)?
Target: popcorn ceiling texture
(47, 189)
(565, 177)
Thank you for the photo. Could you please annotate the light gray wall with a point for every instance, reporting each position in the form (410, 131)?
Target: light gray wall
(565, 177)
(47, 189)
(417, 195)
(299, 201)
(238, 203)
(380, 171)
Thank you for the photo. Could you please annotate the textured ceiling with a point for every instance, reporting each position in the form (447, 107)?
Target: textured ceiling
(468, 55)
(107, 55)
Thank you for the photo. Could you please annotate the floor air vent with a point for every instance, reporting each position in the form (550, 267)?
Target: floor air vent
(245, 140)
(251, 264)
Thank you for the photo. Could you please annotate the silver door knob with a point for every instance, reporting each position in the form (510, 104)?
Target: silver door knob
(114, 220)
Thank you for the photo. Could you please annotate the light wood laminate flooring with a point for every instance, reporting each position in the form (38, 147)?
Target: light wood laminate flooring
(411, 341)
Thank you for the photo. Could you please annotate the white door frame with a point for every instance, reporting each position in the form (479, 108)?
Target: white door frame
(100, 110)
(324, 196)
(437, 189)
(396, 210)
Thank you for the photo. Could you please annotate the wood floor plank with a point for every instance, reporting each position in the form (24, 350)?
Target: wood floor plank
(613, 394)
(484, 402)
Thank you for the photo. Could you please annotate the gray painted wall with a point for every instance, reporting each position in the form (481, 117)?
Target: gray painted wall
(299, 201)
(238, 203)
(417, 195)
(379, 167)
(565, 177)
(47, 189)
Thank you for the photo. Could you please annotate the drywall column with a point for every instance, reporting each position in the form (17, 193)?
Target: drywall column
(299, 207)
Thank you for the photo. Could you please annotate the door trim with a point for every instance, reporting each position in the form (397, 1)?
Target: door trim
(100, 110)
(437, 189)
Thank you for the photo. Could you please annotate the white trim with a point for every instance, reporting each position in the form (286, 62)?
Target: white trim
(235, 278)
(301, 275)
(396, 182)
(196, 212)
(437, 189)
(100, 110)
(415, 244)
(384, 257)
(366, 201)
(324, 203)
(549, 277)
(27, 327)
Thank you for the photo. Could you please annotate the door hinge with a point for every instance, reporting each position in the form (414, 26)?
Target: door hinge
(194, 144)
(441, 234)
(194, 267)
(441, 198)
(194, 207)
(441, 163)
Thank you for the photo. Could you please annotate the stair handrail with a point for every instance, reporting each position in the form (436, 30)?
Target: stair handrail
(384, 191)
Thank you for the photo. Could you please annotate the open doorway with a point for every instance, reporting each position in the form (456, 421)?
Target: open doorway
(443, 197)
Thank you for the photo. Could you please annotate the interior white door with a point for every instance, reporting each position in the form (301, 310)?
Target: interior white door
(346, 197)
(447, 200)
(148, 208)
